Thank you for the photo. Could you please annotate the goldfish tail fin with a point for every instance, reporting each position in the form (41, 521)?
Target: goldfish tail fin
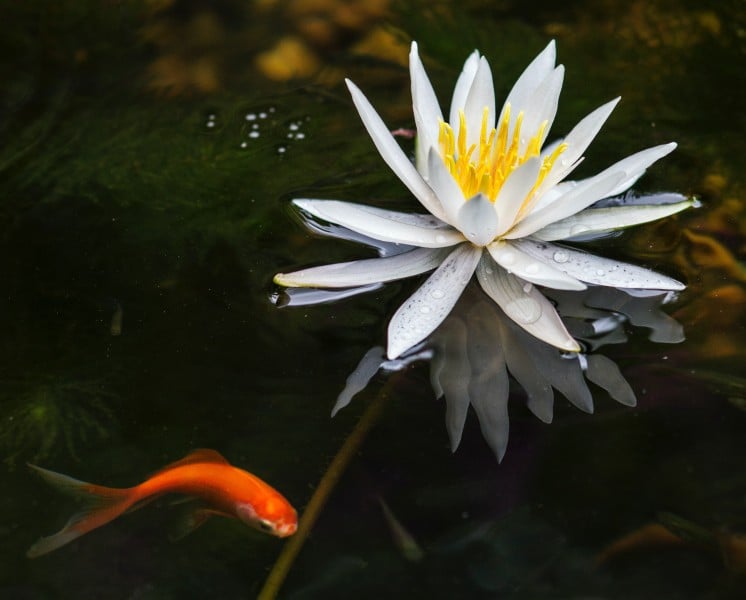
(101, 505)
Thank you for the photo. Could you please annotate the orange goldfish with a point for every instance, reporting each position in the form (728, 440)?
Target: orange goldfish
(227, 490)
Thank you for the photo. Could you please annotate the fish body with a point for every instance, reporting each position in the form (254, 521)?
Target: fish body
(224, 490)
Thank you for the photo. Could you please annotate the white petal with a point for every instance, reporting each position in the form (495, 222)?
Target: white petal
(427, 115)
(636, 164)
(463, 85)
(514, 191)
(477, 220)
(386, 225)
(392, 153)
(542, 106)
(363, 272)
(599, 220)
(430, 304)
(576, 199)
(534, 268)
(530, 79)
(577, 142)
(481, 95)
(596, 269)
(524, 304)
(444, 185)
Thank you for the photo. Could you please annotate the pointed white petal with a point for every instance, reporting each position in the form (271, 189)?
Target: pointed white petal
(576, 199)
(609, 182)
(477, 220)
(463, 85)
(430, 304)
(577, 142)
(636, 164)
(386, 225)
(542, 106)
(363, 272)
(596, 269)
(530, 79)
(534, 268)
(427, 115)
(599, 220)
(445, 187)
(392, 153)
(524, 304)
(514, 191)
(481, 95)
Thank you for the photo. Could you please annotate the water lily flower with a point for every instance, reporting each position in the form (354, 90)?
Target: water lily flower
(498, 200)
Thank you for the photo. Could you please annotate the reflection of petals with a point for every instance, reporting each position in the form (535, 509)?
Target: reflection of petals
(360, 377)
(600, 220)
(525, 305)
(392, 153)
(511, 257)
(596, 269)
(450, 373)
(603, 372)
(362, 272)
(386, 225)
(431, 303)
(489, 386)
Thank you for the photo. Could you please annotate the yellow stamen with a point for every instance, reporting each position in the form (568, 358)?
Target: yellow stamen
(485, 166)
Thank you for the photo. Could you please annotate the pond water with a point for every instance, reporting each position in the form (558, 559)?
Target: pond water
(149, 152)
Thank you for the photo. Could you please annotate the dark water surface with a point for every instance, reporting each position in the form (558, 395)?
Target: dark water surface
(148, 154)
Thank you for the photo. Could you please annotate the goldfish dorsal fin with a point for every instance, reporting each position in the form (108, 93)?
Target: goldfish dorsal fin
(200, 455)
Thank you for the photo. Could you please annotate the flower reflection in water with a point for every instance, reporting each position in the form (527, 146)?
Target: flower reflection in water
(477, 348)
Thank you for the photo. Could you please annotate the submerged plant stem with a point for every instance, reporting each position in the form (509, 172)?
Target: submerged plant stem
(326, 486)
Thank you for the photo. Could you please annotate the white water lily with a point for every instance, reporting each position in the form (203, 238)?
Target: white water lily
(497, 199)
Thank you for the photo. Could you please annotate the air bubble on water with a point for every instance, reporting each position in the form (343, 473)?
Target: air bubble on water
(290, 136)
(255, 126)
(210, 123)
(561, 256)
(262, 115)
(243, 144)
(293, 127)
(253, 134)
(281, 150)
(250, 117)
(300, 136)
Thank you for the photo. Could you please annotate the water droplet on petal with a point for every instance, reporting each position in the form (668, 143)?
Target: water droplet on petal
(437, 294)
(424, 309)
(506, 257)
(561, 256)
(600, 271)
(488, 270)
(527, 287)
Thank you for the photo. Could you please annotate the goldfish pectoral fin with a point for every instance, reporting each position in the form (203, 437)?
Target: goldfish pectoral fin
(190, 521)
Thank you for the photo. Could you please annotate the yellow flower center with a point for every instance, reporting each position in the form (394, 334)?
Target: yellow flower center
(485, 167)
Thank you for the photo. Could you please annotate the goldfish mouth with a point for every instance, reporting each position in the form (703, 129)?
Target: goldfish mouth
(286, 529)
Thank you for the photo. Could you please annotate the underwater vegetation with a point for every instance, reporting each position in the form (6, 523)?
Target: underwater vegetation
(48, 415)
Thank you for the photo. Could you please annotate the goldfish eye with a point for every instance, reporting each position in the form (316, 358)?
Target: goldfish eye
(266, 526)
